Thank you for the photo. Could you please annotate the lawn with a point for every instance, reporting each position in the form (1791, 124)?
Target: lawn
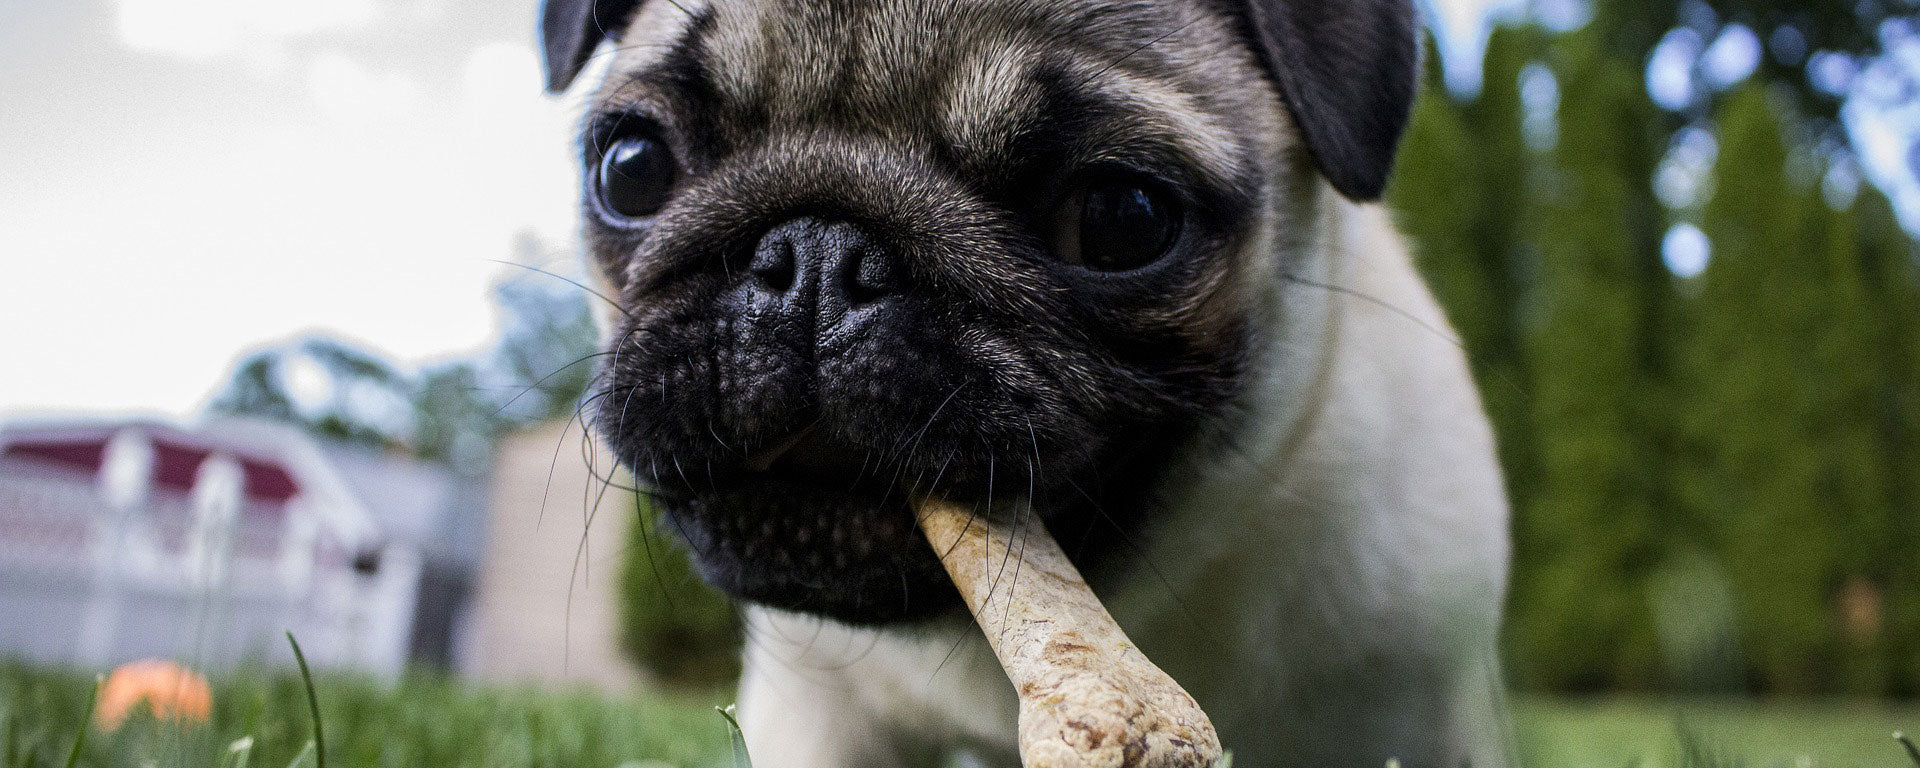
(419, 722)
(431, 721)
(1789, 734)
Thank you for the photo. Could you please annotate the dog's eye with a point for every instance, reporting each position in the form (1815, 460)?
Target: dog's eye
(1118, 225)
(636, 173)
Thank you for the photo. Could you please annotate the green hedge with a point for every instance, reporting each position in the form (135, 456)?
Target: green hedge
(672, 624)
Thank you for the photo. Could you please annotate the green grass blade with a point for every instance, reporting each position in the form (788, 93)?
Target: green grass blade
(302, 757)
(239, 753)
(740, 759)
(313, 705)
(1913, 753)
(80, 738)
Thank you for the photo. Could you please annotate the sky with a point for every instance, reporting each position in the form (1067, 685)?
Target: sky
(185, 180)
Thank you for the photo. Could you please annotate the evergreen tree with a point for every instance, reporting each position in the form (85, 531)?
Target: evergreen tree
(1627, 30)
(1780, 414)
(1594, 531)
(1740, 454)
(1893, 286)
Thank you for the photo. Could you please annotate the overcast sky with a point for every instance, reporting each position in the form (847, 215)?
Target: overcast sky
(187, 179)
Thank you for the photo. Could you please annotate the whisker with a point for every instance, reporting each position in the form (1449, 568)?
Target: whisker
(1345, 291)
(570, 281)
(1019, 521)
(542, 380)
(646, 545)
(1145, 557)
(1506, 378)
(1143, 46)
(554, 464)
(1021, 560)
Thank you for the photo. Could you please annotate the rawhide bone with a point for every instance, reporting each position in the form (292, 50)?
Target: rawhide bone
(1088, 697)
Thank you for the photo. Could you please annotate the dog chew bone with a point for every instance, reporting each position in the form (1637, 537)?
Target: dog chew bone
(1088, 697)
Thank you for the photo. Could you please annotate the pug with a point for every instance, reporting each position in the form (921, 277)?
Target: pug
(1111, 267)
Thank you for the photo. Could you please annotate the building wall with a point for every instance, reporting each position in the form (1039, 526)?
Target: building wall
(524, 628)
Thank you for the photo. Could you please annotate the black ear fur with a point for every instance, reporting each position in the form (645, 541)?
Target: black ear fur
(1347, 70)
(571, 29)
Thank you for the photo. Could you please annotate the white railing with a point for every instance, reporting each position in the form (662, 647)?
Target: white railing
(269, 566)
(47, 523)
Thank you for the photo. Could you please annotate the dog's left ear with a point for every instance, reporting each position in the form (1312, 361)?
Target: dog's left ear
(1347, 70)
(571, 29)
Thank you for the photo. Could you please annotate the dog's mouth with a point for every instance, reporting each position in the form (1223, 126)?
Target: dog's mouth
(819, 522)
(815, 459)
(811, 453)
(814, 522)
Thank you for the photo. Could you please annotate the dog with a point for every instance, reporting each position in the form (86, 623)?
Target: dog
(1113, 262)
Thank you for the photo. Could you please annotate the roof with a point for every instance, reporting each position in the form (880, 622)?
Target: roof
(370, 497)
(279, 461)
(177, 455)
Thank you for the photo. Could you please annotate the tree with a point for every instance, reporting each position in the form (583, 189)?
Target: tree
(544, 359)
(331, 387)
(1888, 263)
(671, 623)
(1780, 415)
(1594, 531)
(536, 371)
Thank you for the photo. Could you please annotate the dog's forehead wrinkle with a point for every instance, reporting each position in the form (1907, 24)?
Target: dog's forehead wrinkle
(950, 71)
(657, 28)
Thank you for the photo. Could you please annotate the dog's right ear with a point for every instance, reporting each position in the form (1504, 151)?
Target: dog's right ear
(571, 29)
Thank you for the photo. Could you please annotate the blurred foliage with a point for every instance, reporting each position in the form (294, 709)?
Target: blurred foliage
(1779, 459)
(371, 390)
(535, 371)
(675, 626)
(1793, 31)
(1716, 477)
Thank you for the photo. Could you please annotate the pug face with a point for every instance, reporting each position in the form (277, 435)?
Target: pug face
(864, 250)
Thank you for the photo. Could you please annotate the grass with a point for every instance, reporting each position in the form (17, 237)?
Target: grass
(738, 739)
(1615, 733)
(319, 740)
(262, 719)
(265, 719)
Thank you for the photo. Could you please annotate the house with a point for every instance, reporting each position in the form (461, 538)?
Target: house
(130, 539)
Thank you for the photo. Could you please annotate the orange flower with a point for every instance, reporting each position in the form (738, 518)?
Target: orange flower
(170, 690)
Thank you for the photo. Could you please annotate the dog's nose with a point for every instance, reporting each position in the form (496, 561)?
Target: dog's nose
(828, 266)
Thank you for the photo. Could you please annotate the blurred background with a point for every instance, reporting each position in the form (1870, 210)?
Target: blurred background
(294, 339)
